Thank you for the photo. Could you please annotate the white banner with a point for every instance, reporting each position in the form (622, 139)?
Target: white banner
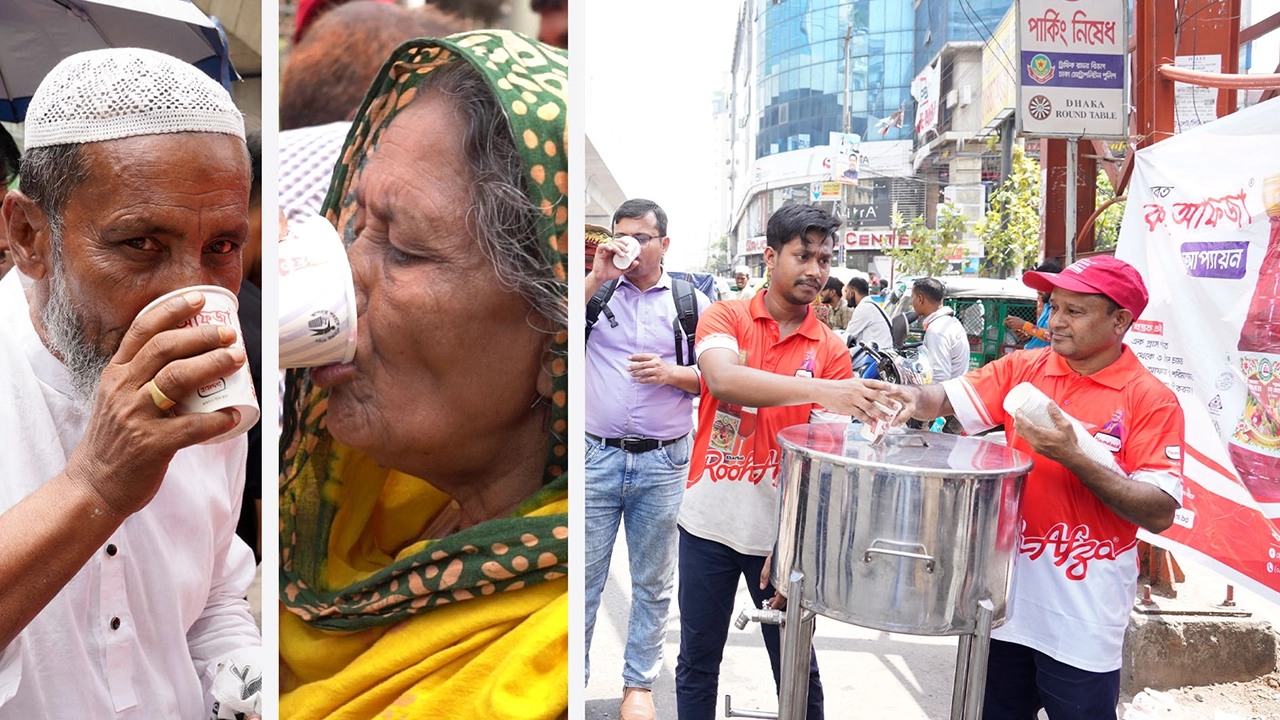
(1202, 225)
(925, 89)
(1071, 75)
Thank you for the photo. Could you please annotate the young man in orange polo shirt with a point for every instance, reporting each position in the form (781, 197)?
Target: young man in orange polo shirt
(771, 353)
(1076, 569)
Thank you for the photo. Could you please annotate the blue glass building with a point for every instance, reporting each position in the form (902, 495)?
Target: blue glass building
(938, 22)
(801, 74)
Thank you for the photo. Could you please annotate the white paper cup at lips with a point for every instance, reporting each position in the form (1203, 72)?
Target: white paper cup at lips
(626, 251)
(317, 297)
(232, 391)
(1035, 406)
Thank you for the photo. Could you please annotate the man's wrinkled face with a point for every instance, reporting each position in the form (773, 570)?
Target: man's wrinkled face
(154, 214)
(741, 280)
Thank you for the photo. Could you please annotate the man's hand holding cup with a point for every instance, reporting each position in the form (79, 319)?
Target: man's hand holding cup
(132, 433)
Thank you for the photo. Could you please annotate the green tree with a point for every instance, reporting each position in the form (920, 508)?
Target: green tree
(1107, 226)
(1010, 231)
(717, 262)
(931, 248)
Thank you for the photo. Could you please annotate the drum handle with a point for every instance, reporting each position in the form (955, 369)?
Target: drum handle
(929, 561)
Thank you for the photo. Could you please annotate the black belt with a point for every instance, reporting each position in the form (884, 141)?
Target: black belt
(635, 443)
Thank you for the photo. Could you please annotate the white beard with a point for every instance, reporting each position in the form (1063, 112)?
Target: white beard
(64, 330)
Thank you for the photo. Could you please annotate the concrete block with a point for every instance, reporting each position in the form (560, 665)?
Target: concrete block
(1169, 651)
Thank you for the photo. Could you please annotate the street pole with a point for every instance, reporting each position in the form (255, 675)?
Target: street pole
(848, 36)
(1073, 161)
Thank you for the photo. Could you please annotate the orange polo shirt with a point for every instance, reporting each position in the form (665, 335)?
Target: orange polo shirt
(731, 496)
(1076, 569)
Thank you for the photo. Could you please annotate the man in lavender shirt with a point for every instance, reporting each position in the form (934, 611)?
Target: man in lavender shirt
(638, 423)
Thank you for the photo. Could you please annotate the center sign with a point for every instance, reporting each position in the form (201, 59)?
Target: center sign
(1072, 68)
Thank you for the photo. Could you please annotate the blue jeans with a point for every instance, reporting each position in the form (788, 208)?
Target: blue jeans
(1020, 681)
(709, 573)
(642, 490)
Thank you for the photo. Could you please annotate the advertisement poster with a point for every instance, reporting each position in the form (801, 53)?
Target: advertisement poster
(925, 88)
(1206, 237)
(1071, 75)
(824, 191)
(999, 61)
(845, 156)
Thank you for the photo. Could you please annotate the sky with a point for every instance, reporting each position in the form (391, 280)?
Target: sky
(652, 69)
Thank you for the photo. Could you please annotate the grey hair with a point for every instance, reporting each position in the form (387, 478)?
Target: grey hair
(501, 214)
(48, 176)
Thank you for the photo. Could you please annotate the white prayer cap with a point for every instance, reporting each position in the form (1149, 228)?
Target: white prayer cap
(125, 92)
(742, 270)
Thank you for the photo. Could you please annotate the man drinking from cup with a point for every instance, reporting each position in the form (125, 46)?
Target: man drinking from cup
(122, 586)
(1076, 569)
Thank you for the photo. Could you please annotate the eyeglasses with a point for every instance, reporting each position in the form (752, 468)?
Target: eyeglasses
(643, 239)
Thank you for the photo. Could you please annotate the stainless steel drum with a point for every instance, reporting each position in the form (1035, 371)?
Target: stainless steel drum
(907, 535)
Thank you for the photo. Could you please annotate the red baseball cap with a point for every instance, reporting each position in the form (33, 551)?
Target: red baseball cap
(1099, 275)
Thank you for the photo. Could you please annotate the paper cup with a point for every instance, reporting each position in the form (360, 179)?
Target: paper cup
(232, 391)
(1033, 403)
(625, 252)
(1035, 406)
(317, 297)
(876, 429)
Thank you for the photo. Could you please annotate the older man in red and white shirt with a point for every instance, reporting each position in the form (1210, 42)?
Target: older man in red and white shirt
(1076, 570)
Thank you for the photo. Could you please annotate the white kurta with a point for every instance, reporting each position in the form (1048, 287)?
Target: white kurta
(176, 583)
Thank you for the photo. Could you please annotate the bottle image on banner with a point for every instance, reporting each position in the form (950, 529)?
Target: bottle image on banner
(1255, 442)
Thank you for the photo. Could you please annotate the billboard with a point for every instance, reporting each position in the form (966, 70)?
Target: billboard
(1072, 68)
(1206, 238)
(999, 72)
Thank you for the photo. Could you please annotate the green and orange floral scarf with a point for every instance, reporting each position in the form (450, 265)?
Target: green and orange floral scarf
(528, 547)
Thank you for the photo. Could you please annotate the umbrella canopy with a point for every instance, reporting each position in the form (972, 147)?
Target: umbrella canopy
(36, 34)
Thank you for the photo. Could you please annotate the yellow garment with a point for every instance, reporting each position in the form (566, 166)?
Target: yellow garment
(499, 657)
(502, 657)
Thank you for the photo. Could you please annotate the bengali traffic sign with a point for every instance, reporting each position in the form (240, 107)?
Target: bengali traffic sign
(1072, 68)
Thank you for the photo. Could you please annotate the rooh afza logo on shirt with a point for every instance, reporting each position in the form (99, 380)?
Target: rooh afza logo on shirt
(718, 468)
(1112, 433)
(1072, 545)
(808, 367)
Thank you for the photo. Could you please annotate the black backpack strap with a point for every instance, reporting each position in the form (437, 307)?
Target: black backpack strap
(600, 302)
(686, 322)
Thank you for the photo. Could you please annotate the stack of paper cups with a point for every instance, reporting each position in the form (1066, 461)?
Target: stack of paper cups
(1035, 406)
(876, 429)
(317, 297)
(231, 391)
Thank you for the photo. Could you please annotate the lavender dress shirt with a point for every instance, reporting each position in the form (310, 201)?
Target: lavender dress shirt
(617, 404)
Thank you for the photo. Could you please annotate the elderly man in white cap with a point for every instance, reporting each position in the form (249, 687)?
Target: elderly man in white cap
(742, 289)
(122, 584)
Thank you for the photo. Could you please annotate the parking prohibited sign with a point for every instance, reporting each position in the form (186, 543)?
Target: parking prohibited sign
(1072, 68)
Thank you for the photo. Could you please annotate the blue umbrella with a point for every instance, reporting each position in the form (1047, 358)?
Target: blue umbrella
(36, 34)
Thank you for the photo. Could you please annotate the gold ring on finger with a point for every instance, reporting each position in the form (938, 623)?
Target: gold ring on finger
(161, 400)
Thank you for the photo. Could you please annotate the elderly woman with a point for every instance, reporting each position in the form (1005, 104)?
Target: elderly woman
(423, 504)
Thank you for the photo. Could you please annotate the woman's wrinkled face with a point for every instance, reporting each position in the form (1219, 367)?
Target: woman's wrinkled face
(447, 362)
